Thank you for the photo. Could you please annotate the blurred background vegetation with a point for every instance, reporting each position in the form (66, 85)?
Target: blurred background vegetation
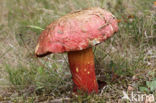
(131, 53)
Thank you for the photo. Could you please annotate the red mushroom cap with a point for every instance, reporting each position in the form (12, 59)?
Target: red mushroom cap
(77, 31)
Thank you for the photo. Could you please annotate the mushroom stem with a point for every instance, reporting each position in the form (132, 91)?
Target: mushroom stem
(83, 70)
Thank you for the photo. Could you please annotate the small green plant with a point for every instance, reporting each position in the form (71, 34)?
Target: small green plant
(149, 87)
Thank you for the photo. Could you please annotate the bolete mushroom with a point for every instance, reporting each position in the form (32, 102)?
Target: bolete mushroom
(76, 33)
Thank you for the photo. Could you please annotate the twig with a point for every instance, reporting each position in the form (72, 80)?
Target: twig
(5, 52)
(60, 100)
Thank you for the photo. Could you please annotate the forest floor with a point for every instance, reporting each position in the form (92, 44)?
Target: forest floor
(130, 53)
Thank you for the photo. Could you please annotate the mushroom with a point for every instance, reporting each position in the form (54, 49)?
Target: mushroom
(76, 33)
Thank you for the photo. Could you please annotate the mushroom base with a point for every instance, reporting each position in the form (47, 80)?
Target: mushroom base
(83, 70)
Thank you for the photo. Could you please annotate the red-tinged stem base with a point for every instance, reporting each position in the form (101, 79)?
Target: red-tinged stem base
(83, 70)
